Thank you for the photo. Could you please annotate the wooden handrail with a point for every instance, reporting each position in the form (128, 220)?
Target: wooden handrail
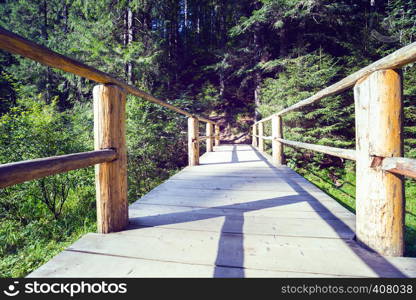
(397, 59)
(263, 137)
(18, 172)
(204, 137)
(16, 44)
(339, 152)
(400, 165)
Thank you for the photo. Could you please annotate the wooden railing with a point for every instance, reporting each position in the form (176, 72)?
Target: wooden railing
(380, 200)
(110, 155)
(194, 139)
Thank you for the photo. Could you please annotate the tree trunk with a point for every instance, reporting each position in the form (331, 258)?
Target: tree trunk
(128, 39)
(46, 37)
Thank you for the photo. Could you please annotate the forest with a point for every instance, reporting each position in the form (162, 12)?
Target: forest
(234, 61)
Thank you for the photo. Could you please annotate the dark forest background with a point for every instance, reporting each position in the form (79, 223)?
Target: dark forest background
(232, 60)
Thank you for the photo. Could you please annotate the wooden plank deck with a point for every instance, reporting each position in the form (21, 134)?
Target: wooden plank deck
(235, 215)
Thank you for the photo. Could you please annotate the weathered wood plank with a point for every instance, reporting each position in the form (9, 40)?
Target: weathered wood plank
(339, 152)
(254, 136)
(217, 135)
(111, 177)
(261, 137)
(70, 264)
(209, 131)
(400, 165)
(238, 221)
(266, 214)
(190, 231)
(379, 195)
(298, 254)
(193, 143)
(277, 146)
(18, 172)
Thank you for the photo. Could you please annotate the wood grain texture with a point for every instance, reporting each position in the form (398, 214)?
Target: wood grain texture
(254, 136)
(193, 142)
(339, 152)
(379, 194)
(202, 138)
(217, 135)
(396, 60)
(269, 138)
(111, 177)
(18, 172)
(209, 131)
(261, 134)
(176, 231)
(400, 165)
(18, 45)
(277, 146)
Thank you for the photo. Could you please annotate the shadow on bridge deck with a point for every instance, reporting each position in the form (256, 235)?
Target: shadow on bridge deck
(235, 215)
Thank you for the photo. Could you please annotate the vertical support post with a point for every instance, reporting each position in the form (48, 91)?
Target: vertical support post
(277, 147)
(261, 134)
(254, 139)
(209, 133)
(217, 135)
(193, 143)
(379, 194)
(111, 177)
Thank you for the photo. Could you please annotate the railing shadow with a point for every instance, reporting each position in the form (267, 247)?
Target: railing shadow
(372, 259)
(230, 253)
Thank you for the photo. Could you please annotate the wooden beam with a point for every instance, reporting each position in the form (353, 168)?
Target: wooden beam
(338, 152)
(217, 135)
(254, 136)
(18, 172)
(277, 146)
(16, 44)
(261, 140)
(193, 142)
(396, 60)
(203, 138)
(264, 137)
(111, 177)
(400, 165)
(379, 194)
(210, 135)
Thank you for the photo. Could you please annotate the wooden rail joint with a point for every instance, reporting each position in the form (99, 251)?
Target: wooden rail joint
(376, 162)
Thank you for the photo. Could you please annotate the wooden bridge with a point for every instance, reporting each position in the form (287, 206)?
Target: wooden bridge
(235, 211)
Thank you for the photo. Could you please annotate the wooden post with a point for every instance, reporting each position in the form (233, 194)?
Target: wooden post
(209, 133)
(254, 138)
(193, 143)
(217, 135)
(277, 146)
(379, 194)
(261, 141)
(111, 177)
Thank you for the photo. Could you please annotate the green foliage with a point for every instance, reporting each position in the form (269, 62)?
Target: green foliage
(220, 58)
(156, 145)
(40, 217)
(329, 122)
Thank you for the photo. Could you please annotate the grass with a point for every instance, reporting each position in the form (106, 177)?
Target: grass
(28, 243)
(29, 248)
